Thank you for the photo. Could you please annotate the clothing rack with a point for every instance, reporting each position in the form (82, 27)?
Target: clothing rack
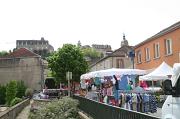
(137, 92)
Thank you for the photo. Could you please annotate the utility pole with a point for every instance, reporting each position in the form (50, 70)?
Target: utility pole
(132, 55)
(69, 77)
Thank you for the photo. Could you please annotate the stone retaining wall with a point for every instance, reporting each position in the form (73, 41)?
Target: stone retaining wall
(12, 112)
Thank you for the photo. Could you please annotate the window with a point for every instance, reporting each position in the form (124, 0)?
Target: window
(139, 57)
(168, 46)
(119, 63)
(147, 54)
(156, 50)
(107, 65)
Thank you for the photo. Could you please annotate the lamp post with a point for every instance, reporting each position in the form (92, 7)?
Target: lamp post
(132, 55)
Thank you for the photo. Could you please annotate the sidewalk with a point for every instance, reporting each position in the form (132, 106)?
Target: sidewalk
(24, 113)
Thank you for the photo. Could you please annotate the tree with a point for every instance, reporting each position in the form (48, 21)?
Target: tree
(11, 91)
(3, 53)
(68, 58)
(21, 88)
(2, 95)
(92, 53)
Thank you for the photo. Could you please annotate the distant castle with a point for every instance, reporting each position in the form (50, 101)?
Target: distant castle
(41, 47)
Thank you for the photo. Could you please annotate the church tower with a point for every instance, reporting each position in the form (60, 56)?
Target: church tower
(124, 42)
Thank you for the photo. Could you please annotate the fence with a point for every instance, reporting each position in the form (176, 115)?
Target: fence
(12, 112)
(103, 111)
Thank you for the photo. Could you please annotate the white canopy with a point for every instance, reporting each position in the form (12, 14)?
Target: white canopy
(113, 71)
(160, 73)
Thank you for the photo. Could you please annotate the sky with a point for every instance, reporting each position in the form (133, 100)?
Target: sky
(90, 21)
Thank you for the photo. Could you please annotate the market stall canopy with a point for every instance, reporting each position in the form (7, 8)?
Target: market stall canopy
(113, 71)
(160, 73)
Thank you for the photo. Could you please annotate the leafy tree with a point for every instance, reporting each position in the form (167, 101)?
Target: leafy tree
(92, 53)
(11, 91)
(15, 101)
(21, 88)
(2, 95)
(29, 93)
(3, 53)
(68, 58)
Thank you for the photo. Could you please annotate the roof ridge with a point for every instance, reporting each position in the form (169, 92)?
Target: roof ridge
(22, 52)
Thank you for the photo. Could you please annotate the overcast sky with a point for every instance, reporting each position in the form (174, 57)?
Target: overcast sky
(90, 21)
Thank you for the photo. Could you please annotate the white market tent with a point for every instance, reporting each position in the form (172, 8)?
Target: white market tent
(160, 73)
(113, 71)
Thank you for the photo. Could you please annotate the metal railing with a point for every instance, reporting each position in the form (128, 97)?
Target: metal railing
(103, 111)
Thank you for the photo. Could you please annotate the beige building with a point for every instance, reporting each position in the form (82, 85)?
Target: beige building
(23, 65)
(104, 49)
(117, 59)
(41, 47)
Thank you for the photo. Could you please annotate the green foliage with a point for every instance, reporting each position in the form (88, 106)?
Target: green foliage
(68, 58)
(92, 53)
(21, 88)
(65, 108)
(15, 101)
(2, 95)
(49, 74)
(29, 93)
(11, 91)
(3, 53)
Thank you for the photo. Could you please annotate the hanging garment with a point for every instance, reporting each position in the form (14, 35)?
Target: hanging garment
(123, 82)
(97, 81)
(120, 101)
(134, 101)
(115, 82)
(133, 79)
(139, 103)
(153, 104)
(104, 92)
(123, 97)
(105, 100)
(128, 102)
(129, 87)
(145, 103)
(109, 91)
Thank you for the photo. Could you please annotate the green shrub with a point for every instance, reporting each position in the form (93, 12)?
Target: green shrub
(65, 108)
(15, 101)
(2, 95)
(21, 88)
(29, 93)
(11, 91)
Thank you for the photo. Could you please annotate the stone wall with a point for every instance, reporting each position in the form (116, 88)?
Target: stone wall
(12, 112)
(29, 70)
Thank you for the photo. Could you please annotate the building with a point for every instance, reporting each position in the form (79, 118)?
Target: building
(22, 64)
(117, 59)
(104, 49)
(163, 46)
(41, 47)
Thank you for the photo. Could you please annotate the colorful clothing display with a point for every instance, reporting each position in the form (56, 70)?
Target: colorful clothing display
(141, 102)
(113, 92)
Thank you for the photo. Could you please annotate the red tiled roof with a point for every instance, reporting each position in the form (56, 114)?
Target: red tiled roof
(22, 52)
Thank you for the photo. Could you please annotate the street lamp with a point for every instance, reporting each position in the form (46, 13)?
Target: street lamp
(132, 55)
